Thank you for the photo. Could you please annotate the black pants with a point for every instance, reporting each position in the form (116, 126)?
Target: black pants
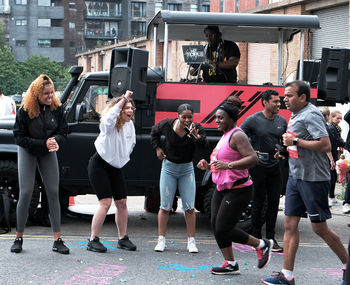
(333, 181)
(226, 210)
(267, 187)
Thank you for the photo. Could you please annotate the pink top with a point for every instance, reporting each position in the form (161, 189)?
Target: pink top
(224, 179)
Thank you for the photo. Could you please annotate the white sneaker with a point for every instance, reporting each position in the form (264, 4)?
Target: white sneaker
(161, 244)
(346, 208)
(336, 202)
(191, 245)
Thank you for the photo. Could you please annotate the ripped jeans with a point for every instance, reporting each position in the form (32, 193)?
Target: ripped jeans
(173, 176)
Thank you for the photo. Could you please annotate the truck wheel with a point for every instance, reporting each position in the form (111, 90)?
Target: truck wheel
(207, 201)
(9, 181)
(152, 203)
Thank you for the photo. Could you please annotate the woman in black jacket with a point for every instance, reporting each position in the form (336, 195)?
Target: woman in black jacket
(39, 130)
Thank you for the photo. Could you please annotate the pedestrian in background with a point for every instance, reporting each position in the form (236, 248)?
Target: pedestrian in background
(7, 105)
(265, 131)
(39, 130)
(182, 136)
(114, 146)
(338, 142)
(229, 163)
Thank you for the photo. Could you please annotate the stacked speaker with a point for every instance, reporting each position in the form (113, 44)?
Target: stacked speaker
(333, 81)
(128, 71)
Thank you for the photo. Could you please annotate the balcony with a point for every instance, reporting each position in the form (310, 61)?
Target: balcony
(5, 9)
(99, 14)
(99, 34)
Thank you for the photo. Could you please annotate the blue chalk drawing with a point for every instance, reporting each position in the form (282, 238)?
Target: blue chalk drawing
(184, 268)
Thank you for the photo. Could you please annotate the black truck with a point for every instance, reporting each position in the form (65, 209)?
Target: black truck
(86, 95)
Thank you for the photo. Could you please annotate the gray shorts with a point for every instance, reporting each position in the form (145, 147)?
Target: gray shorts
(305, 198)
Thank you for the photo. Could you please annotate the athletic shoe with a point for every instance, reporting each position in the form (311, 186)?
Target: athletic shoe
(264, 254)
(276, 247)
(191, 245)
(278, 278)
(335, 202)
(126, 244)
(17, 245)
(58, 246)
(161, 244)
(346, 208)
(226, 268)
(96, 245)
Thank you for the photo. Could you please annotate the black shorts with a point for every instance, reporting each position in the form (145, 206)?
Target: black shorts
(307, 198)
(106, 180)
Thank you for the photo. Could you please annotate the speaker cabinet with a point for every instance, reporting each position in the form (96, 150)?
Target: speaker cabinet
(128, 71)
(311, 70)
(333, 81)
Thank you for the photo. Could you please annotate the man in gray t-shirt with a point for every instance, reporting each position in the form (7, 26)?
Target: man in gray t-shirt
(308, 184)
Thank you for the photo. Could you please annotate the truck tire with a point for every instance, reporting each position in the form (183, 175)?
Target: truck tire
(9, 180)
(152, 203)
(245, 220)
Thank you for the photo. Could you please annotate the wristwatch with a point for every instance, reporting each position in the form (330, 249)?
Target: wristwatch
(295, 141)
(230, 165)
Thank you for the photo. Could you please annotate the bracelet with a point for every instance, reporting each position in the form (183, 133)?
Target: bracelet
(126, 99)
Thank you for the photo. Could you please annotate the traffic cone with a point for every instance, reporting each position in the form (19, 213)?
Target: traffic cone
(71, 201)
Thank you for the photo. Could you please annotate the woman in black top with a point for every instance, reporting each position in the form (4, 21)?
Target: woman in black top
(39, 130)
(181, 138)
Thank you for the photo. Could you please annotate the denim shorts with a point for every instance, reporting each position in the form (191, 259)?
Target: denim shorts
(177, 176)
(307, 198)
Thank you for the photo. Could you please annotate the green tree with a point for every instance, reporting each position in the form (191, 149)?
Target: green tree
(2, 35)
(9, 74)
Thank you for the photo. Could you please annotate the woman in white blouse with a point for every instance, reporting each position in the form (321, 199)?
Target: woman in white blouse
(113, 148)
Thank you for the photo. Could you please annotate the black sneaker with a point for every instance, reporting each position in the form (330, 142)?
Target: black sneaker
(58, 245)
(226, 268)
(125, 243)
(264, 254)
(96, 245)
(17, 245)
(276, 247)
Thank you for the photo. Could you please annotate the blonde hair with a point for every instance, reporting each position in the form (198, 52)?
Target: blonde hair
(325, 111)
(119, 123)
(334, 113)
(30, 101)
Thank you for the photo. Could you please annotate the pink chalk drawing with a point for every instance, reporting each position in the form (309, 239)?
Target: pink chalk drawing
(334, 272)
(99, 275)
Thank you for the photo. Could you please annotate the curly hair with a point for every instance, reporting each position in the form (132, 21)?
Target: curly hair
(30, 102)
(119, 123)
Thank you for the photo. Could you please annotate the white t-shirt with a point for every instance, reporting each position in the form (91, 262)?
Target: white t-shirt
(7, 106)
(113, 146)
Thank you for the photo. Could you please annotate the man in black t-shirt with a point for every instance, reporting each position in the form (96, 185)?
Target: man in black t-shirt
(265, 130)
(222, 56)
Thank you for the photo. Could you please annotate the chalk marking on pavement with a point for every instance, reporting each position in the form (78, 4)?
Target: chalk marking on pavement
(330, 271)
(100, 274)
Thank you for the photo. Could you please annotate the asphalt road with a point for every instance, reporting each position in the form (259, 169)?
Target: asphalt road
(37, 264)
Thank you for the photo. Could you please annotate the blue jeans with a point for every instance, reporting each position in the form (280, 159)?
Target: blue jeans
(173, 176)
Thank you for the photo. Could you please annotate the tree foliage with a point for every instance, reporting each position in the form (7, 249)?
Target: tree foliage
(15, 77)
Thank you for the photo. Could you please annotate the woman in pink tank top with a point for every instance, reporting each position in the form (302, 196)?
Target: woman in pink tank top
(229, 163)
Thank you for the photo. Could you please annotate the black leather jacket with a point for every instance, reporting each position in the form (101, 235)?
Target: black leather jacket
(32, 134)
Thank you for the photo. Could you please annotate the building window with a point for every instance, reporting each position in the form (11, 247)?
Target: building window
(44, 23)
(138, 9)
(205, 8)
(101, 29)
(237, 6)
(44, 2)
(222, 5)
(71, 5)
(194, 8)
(71, 25)
(44, 43)
(21, 43)
(71, 44)
(257, 3)
(21, 2)
(174, 7)
(21, 22)
(95, 8)
(138, 29)
(157, 7)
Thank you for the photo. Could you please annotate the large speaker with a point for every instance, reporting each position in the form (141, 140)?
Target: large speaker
(128, 71)
(311, 69)
(333, 82)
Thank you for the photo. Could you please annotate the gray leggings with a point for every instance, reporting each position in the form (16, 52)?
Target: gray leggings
(48, 168)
